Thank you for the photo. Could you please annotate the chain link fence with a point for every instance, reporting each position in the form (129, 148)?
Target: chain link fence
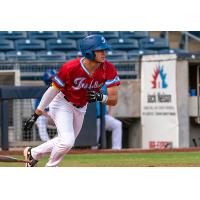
(19, 110)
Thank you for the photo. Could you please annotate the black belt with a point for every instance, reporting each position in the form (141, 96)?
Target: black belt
(72, 103)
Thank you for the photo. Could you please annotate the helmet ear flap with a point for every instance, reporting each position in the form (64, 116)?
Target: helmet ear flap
(90, 55)
(87, 55)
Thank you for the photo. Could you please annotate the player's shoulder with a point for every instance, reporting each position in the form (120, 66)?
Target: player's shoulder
(109, 64)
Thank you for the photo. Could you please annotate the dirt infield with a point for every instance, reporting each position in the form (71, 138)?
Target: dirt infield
(19, 151)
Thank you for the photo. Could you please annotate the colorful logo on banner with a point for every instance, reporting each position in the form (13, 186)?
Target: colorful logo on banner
(159, 82)
(159, 78)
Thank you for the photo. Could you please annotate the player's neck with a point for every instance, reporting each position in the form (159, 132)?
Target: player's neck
(90, 65)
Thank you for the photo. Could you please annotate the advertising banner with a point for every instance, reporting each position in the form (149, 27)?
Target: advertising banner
(158, 102)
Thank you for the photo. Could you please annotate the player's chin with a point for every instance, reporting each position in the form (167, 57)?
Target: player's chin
(102, 60)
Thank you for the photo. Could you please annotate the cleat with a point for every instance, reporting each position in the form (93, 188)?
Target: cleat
(28, 157)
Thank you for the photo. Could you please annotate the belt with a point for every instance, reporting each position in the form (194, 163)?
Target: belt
(72, 103)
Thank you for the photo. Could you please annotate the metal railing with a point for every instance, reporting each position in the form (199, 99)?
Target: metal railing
(186, 37)
(34, 70)
(184, 43)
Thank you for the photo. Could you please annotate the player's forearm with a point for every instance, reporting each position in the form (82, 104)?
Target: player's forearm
(46, 99)
(112, 100)
(112, 93)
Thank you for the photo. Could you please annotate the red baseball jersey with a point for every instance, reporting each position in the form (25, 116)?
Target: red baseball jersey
(74, 80)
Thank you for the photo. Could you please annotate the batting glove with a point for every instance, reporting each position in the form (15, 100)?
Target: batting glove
(96, 96)
(29, 123)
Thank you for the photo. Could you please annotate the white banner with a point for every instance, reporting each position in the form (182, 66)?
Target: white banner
(158, 102)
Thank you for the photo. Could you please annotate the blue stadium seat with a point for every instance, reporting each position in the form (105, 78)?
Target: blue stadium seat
(6, 45)
(73, 54)
(154, 43)
(13, 35)
(61, 44)
(135, 54)
(51, 55)
(123, 44)
(134, 34)
(72, 34)
(20, 55)
(107, 34)
(2, 56)
(116, 56)
(45, 35)
(29, 44)
(173, 51)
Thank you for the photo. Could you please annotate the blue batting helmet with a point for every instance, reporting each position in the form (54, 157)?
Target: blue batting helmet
(92, 43)
(48, 76)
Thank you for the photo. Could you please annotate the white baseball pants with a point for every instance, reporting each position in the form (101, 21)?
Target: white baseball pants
(68, 120)
(114, 125)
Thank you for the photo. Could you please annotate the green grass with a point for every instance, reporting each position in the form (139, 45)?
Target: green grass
(164, 159)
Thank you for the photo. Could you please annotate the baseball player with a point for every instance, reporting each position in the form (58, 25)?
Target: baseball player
(43, 121)
(78, 83)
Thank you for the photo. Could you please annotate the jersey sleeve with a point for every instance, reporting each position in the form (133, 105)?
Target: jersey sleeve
(60, 79)
(112, 78)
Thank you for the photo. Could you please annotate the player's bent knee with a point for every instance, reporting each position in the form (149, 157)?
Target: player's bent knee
(66, 144)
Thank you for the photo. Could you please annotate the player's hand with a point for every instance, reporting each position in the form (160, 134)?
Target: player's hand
(94, 96)
(29, 123)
